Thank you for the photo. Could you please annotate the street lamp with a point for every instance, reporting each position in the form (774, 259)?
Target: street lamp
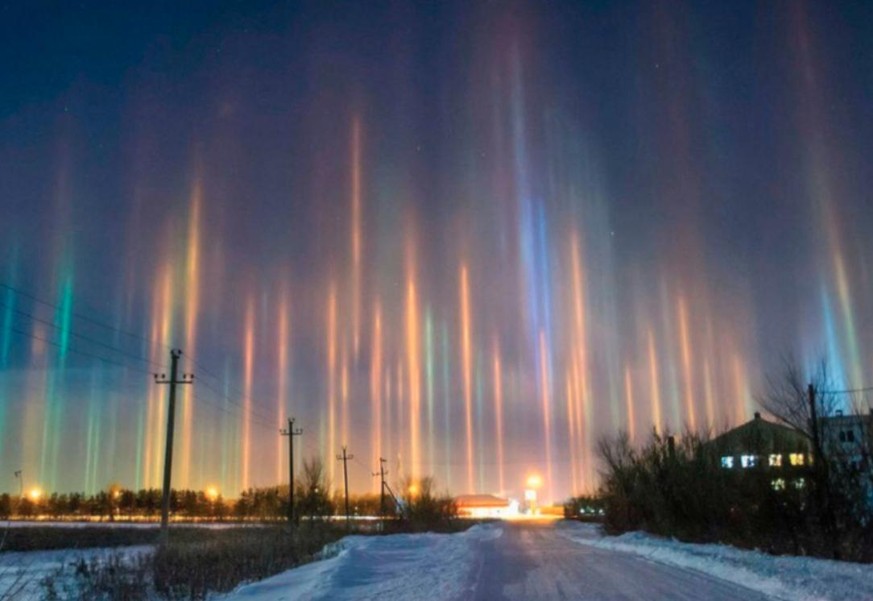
(212, 493)
(534, 482)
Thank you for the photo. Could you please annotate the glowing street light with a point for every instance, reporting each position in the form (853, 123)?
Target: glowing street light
(534, 482)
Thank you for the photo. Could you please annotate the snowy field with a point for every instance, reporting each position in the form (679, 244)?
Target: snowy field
(21, 574)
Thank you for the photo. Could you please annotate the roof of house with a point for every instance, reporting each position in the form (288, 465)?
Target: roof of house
(481, 501)
(761, 436)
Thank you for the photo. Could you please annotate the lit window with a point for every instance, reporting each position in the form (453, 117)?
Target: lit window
(749, 461)
(727, 462)
(776, 460)
(799, 483)
(778, 484)
(796, 458)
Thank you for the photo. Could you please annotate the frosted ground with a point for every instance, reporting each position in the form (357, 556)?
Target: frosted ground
(514, 561)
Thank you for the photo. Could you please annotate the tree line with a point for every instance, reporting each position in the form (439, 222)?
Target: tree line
(312, 499)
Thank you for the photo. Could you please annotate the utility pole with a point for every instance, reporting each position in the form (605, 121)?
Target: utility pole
(344, 458)
(382, 473)
(171, 419)
(20, 475)
(291, 433)
(813, 412)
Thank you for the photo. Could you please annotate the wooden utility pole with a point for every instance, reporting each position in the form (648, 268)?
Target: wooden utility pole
(344, 458)
(291, 433)
(171, 418)
(382, 473)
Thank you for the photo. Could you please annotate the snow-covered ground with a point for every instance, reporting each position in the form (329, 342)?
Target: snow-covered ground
(778, 577)
(556, 561)
(514, 560)
(22, 573)
(399, 566)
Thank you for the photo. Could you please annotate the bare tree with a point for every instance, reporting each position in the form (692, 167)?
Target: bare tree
(313, 489)
(800, 400)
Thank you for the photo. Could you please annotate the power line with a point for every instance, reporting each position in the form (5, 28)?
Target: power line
(83, 337)
(200, 368)
(82, 317)
(80, 352)
(258, 422)
(848, 391)
(241, 406)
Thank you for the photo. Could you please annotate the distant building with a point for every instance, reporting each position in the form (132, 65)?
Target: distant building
(485, 506)
(848, 439)
(763, 446)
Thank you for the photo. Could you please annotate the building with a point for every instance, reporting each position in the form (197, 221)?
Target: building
(485, 506)
(764, 446)
(848, 439)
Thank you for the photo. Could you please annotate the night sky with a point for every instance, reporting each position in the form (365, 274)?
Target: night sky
(469, 237)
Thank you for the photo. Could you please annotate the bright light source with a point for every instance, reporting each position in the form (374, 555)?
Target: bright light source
(534, 481)
(35, 494)
(413, 490)
(212, 493)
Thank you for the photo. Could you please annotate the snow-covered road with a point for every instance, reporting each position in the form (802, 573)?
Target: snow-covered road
(548, 560)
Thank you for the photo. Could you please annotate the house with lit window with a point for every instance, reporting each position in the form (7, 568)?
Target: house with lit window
(761, 446)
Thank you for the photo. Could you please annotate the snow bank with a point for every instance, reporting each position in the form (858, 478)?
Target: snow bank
(399, 566)
(780, 577)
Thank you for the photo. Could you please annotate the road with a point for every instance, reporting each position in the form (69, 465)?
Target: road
(504, 561)
(532, 560)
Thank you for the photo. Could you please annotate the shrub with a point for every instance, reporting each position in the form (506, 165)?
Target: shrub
(680, 490)
(422, 509)
(195, 563)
